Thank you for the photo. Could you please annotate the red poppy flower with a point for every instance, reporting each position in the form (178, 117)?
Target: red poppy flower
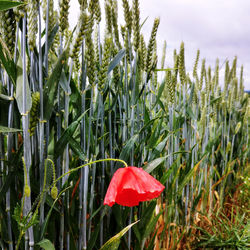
(130, 185)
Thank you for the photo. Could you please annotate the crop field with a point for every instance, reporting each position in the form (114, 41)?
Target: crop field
(104, 146)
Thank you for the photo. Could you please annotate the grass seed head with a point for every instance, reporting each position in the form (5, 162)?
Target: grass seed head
(98, 13)
(114, 11)
(151, 45)
(34, 112)
(108, 15)
(127, 15)
(90, 59)
(8, 28)
(54, 192)
(82, 28)
(195, 75)
(63, 15)
(163, 54)
(102, 74)
(182, 70)
(136, 24)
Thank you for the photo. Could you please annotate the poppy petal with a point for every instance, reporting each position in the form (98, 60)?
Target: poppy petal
(113, 187)
(131, 185)
(148, 183)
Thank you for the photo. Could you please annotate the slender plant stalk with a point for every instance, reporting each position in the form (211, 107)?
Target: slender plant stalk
(83, 144)
(46, 37)
(41, 118)
(26, 137)
(125, 102)
(101, 109)
(66, 152)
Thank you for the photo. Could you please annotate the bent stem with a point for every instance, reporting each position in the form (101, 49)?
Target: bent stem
(71, 171)
(19, 239)
(58, 179)
(87, 164)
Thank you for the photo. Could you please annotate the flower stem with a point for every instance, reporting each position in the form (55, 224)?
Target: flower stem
(69, 172)
(87, 164)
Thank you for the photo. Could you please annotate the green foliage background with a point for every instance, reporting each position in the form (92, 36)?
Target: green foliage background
(69, 97)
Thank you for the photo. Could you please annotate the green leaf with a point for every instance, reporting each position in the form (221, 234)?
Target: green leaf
(95, 213)
(155, 133)
(46, 244)
(17, 214)
(19, 89)
(12, 174)
(64, 83)
(189, 176)
(128, 147)
(144, 22)
(151, 225)
(148, 124)
(119, 215)
(137, 233)
(9, 130)
(167, 174)
(116, 60)
(51, 38)
(46, 221)
(5, 5)
(153, 164)
(159, 148)
(94, 234)
(31, 221)
(67, 137)
(161, 105)
(3, 225)
(7, 62)
(147, 215)
(190, 113)
(214, 100)
(114, 242)
(76, 148)
(50, 89)
(160, 90)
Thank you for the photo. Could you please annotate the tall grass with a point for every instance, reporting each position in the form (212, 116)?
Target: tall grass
(100, 97)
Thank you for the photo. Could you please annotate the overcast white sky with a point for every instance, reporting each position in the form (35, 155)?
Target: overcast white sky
(219, 28)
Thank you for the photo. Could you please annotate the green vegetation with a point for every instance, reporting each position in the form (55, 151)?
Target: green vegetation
(69, 98)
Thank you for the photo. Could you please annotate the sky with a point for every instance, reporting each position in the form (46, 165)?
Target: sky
(219, 28)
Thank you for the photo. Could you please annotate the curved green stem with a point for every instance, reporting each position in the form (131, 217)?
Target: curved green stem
(73, 170)
(19, 239)
(87, 164)
(69, 172)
